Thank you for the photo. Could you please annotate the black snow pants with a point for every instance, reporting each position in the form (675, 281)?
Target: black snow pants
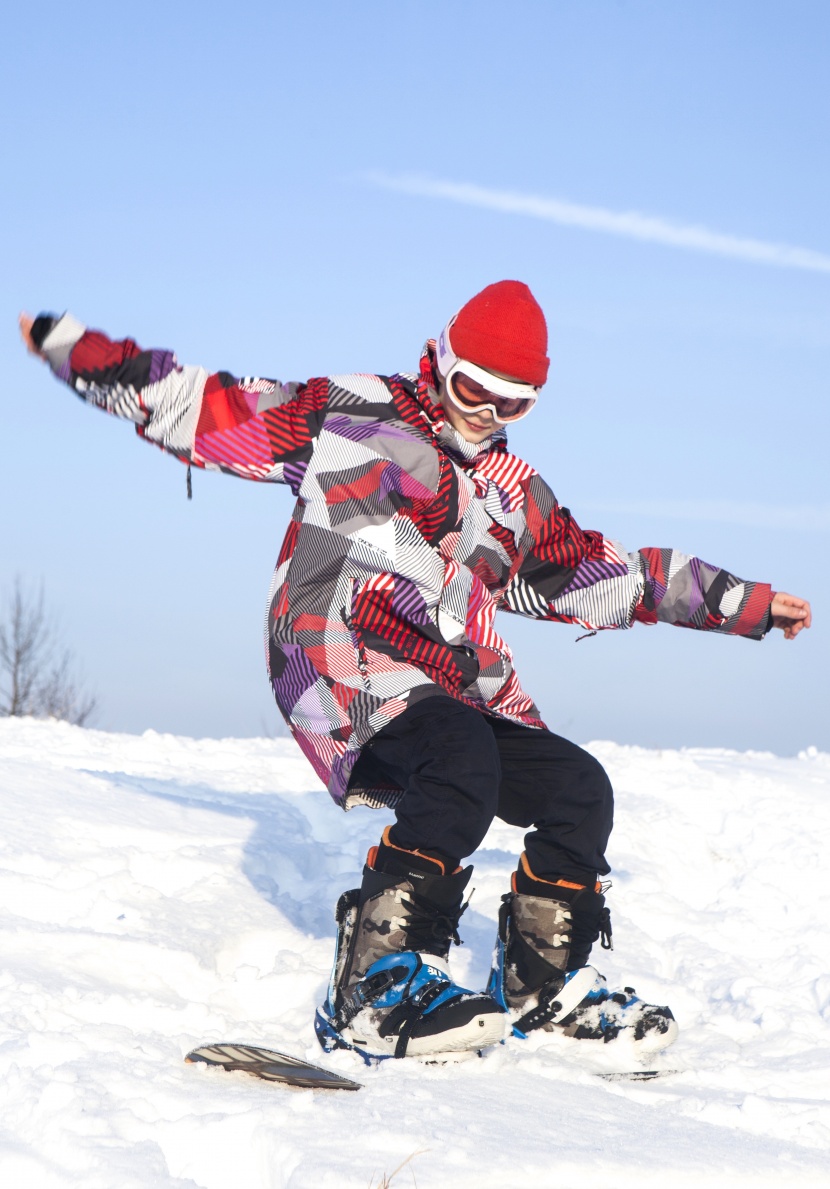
(459, 769)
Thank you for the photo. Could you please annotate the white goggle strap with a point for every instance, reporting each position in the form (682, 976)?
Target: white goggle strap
(445, 357)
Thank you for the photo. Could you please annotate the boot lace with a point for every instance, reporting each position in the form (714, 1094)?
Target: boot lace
(429, 927)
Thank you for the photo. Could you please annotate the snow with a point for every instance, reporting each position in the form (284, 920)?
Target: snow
(160, 892)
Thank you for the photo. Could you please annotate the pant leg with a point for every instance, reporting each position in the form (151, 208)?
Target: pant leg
(564, 793)
(444, 755)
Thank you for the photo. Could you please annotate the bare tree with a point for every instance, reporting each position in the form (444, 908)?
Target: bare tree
(36, 675)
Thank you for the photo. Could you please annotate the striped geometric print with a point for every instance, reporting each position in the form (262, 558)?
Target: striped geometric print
(404, 542)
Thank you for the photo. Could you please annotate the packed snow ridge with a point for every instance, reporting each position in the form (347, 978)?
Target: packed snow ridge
(159, 892)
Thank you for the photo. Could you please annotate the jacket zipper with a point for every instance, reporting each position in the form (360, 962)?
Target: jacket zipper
(358, 642)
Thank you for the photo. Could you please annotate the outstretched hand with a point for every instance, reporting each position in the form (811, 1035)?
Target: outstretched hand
(26, 322)
(790, 614)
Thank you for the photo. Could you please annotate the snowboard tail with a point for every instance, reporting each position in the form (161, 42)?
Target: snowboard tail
(270, 1066)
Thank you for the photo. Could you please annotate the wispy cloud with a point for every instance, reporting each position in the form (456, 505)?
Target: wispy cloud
(808, 518)
(632, 224)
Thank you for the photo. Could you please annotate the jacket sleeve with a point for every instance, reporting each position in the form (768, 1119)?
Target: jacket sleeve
(582, 577)
(254, 428)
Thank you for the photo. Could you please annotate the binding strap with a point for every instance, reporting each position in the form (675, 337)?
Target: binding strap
(558, 998)
(411, 1012)
(405, 1016)
(366, 991)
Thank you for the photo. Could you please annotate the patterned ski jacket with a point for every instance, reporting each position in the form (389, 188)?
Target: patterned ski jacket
(404, 541)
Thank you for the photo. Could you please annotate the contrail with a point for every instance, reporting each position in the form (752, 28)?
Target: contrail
(633, 224)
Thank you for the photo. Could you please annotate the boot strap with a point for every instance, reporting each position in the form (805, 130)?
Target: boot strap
(605, 931)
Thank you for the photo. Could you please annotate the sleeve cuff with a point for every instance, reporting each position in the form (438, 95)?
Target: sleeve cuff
(41, 327)
(61, 336)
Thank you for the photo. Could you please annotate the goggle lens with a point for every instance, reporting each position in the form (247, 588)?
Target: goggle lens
(471, 395)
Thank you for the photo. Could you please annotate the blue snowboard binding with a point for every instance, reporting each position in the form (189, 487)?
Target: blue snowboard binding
(533, 980)
(391, 993)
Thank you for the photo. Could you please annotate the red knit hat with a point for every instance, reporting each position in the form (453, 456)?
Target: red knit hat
(503, 330)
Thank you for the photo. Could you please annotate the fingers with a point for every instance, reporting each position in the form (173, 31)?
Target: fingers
(789, 605)
(790, 614)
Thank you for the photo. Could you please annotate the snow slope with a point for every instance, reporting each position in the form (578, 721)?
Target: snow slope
(158, 892)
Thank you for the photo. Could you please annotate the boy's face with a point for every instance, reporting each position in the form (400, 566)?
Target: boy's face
(475, 426)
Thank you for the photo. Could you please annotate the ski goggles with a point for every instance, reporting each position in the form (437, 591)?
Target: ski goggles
(472, 389)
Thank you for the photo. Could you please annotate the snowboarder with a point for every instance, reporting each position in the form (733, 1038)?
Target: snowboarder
(413, 525)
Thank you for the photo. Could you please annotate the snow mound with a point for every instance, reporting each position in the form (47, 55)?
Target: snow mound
(161, 892)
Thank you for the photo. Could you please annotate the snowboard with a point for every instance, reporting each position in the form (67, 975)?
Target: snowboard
(637, 1075)
(270, 1066)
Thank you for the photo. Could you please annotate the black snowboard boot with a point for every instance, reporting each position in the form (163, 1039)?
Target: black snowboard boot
(391, 992)
(540, 972)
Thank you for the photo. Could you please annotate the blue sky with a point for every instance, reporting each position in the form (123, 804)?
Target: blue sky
(291, 190)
